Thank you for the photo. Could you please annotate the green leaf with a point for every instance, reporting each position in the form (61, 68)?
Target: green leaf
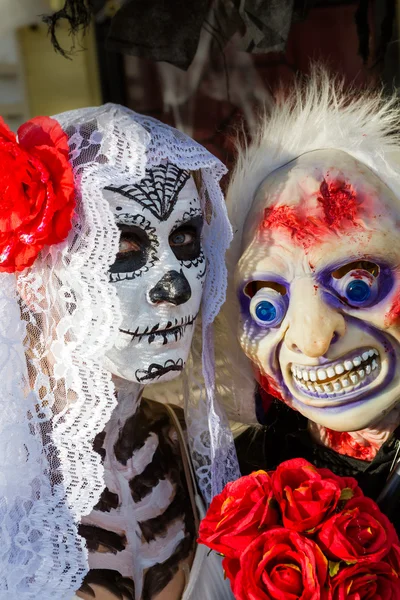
(347, 494)
(334, 568)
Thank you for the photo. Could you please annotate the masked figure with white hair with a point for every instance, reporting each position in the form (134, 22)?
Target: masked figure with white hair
(113, 232)
(314, 202)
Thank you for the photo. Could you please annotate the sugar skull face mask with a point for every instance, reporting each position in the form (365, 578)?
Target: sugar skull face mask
(318, 285)
(158, 273)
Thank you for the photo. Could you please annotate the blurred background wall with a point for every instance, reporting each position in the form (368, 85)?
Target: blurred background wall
(241, 50)
(34, 79)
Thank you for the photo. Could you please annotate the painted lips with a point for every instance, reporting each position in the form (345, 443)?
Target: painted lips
(172, 332)
(342, 379)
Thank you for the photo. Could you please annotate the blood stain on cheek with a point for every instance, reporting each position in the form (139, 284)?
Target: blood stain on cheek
(269, 388)
(392, 317)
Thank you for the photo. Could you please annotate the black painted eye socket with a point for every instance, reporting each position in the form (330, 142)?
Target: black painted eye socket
(134, 249)
(185, 241)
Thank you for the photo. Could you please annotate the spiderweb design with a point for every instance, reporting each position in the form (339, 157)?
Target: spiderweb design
(158, 191)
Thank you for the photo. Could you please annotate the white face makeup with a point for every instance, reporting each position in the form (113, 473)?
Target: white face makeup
(319, 288)
(159, 273)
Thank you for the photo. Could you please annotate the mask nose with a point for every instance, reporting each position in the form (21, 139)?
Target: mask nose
(313, 325)
(173, 288)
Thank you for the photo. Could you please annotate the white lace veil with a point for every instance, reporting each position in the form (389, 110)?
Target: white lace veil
(57, 320)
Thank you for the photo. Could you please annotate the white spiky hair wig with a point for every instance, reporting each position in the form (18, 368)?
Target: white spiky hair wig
(318, 113)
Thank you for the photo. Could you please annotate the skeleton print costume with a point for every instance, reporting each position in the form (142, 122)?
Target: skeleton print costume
(65, 327)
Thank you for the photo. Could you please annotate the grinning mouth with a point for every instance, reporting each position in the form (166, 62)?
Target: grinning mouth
(340, 377)
(172, 332)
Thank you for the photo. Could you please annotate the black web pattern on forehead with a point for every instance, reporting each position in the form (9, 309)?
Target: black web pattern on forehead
(158, 191)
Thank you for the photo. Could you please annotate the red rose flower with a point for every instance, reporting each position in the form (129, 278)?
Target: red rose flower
(36, 191)
(237, 515)
(393, 558)
(359, 533)
(348, 485)
(281, 565)
(366, 581)
(231, 568)
(305, 497)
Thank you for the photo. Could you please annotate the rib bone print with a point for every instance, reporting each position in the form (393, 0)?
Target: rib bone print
(143, 527)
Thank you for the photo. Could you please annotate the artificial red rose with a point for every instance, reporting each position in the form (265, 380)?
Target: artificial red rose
(37, 197)
(305, 497)
(231, 568)
(348, 485)
(359, 533)
(393, 558)
(239, 514)
(281, 565)
(366, 581)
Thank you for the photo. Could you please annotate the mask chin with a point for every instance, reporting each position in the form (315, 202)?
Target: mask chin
(159, 365)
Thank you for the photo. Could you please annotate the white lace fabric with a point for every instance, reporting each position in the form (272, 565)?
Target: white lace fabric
(57, 320)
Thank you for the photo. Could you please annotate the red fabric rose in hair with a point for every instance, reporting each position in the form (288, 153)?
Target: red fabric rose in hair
(359, 533)
(366, 581)
(36, 191)
(281, 565)
(305, 497)
(239, 514)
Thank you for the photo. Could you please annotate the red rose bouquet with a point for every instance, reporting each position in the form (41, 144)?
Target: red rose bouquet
(302, 533)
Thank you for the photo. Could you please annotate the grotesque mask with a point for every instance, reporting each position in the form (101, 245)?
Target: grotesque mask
(318, 284)
(159, 273)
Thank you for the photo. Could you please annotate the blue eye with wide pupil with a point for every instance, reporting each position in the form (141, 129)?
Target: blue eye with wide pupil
(268, 307)
(358, 291)
(265, 311)
(358, 288)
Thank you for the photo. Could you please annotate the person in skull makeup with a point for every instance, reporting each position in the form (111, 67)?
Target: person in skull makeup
(89, 464)
(314, 282)
(159, 272)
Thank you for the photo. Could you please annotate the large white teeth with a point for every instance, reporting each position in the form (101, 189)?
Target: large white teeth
(344, 376)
